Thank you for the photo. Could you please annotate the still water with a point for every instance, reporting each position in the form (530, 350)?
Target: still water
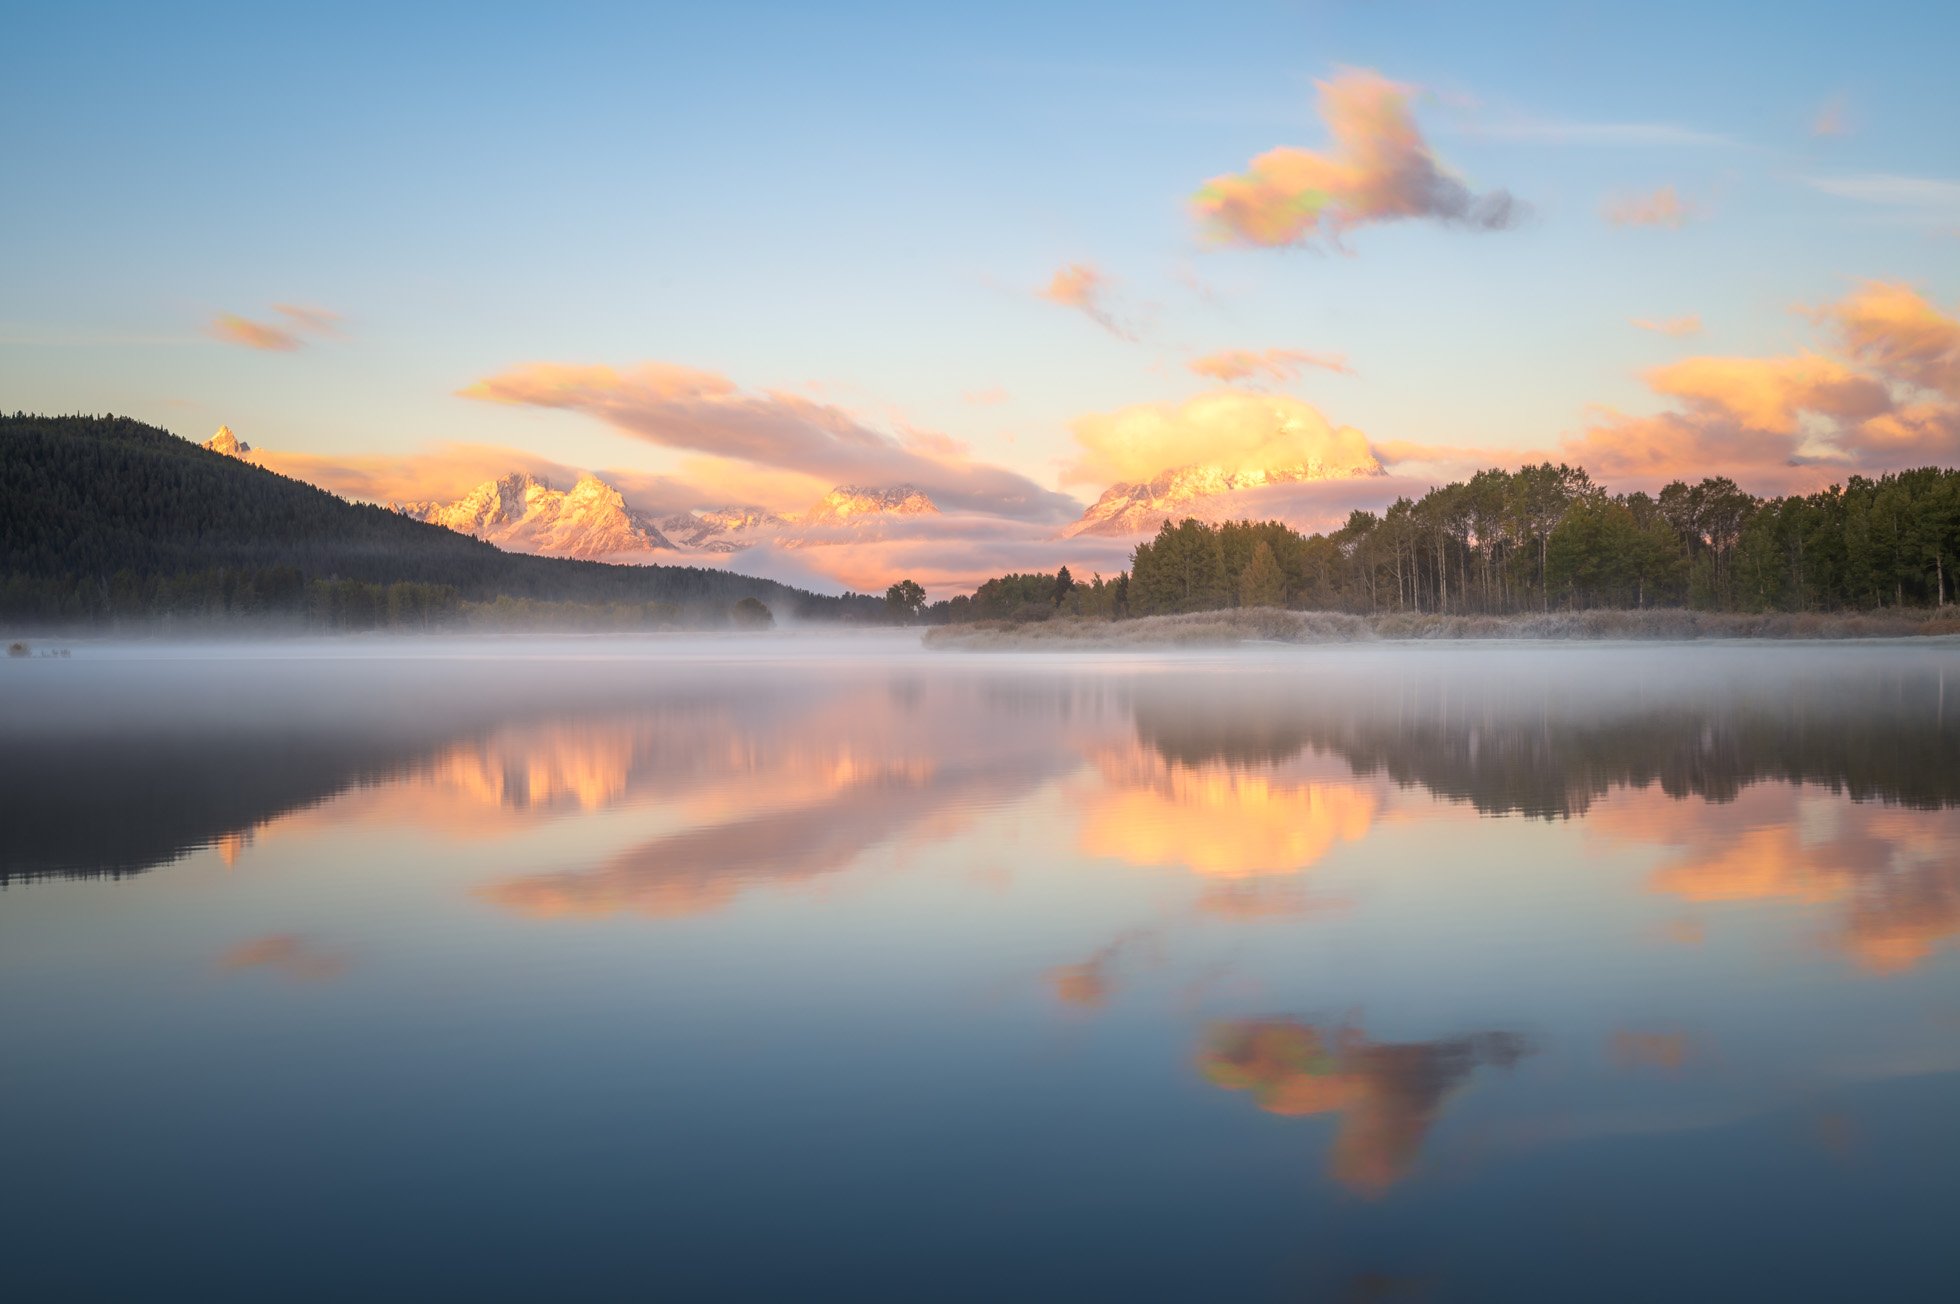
(782, 969)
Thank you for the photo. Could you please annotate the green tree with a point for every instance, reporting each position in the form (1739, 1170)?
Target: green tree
(905, 600)
(1262, 583)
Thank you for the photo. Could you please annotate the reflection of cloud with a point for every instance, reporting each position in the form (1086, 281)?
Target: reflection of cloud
(1388, 1095)
(1238, 433)
(1379, 169)
(1088, 983)
(1218, 820)
(1891, 874)
(1669, 1051)
(685, 408)
(285, 953)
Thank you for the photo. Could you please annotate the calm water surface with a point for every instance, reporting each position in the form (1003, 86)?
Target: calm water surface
(777, 969)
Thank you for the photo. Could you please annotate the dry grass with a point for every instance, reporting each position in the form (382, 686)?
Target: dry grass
(1266, 624)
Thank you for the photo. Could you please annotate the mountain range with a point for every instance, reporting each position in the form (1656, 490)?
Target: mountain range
(592, 519)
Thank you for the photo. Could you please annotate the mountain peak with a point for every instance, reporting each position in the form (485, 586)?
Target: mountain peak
(227, 443)
(522, 513)
(850, 500)
(1206, 492)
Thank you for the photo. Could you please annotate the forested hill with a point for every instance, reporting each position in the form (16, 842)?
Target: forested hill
(106, 516)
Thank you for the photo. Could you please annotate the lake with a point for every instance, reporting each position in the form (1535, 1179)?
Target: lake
(793, 967)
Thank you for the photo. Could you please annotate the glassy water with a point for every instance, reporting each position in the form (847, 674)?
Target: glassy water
(783, 970)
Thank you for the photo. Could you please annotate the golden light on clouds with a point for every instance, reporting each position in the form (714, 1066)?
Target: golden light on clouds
(1236, 432)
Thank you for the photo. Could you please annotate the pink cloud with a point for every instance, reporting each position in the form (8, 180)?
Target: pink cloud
(1083, 288)
(681, 407)
(1378, 169)
(233, 329)
(1673, 327)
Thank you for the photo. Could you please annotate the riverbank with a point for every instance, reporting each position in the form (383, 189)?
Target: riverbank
(1269, 625)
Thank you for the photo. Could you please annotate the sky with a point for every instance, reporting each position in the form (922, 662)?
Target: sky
(1012, 253)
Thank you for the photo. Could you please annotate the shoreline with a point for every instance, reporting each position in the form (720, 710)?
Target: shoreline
(1269, 625)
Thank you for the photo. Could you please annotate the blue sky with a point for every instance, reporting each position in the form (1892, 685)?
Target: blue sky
(859, 203)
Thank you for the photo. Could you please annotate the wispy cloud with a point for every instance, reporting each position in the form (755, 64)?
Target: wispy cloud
(1379, 168)
(1891, 189)
(1633, 135)
(1278, 365)
(1673, 327)
(1664, 207)
(1831, 119)
(1087, 290)
(233, 329)
(272, 337)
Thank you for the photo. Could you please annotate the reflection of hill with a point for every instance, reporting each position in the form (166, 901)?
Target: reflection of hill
(1517, 744)
(123, 768)
(1388, 1095)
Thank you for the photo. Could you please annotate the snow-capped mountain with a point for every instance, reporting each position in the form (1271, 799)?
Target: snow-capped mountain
(1206, 492)
(720, 529)
(849, 501)
(522, 513)
(227, 443)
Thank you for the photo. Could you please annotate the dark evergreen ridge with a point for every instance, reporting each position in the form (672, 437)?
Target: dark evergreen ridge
(104, 517)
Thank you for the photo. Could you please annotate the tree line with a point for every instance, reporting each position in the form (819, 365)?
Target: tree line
(1540, 538)
(105, 518)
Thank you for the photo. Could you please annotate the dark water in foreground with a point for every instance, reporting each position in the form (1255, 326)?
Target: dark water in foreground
(770, 971)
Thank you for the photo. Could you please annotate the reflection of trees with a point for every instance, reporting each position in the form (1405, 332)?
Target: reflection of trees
(1388, 1095)
(1518, 745)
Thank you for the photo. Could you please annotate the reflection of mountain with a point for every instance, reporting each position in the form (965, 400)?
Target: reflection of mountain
(1388, 1095)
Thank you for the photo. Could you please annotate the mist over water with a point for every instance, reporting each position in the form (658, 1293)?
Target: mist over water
(782, 965)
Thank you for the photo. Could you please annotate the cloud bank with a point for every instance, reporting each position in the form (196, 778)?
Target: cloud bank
(685, 408)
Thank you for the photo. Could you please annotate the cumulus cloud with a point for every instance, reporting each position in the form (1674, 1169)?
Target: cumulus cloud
(1234, 431)
(1087, 290)
(1673, 327)
(275, 338)
(1278, 365)
(1664, 207)
(1379, 168)
(684, 408)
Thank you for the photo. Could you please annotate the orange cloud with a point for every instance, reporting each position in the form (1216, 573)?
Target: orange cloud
(1233, 431)
(301, 319)
(1085, 289)
(1662, 208)
(682, 407)
(1279, 365)
(1770, 394)
(440, 473)
(1893, 330)
(233, 329)
(1673, 327)
(1379, 169)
